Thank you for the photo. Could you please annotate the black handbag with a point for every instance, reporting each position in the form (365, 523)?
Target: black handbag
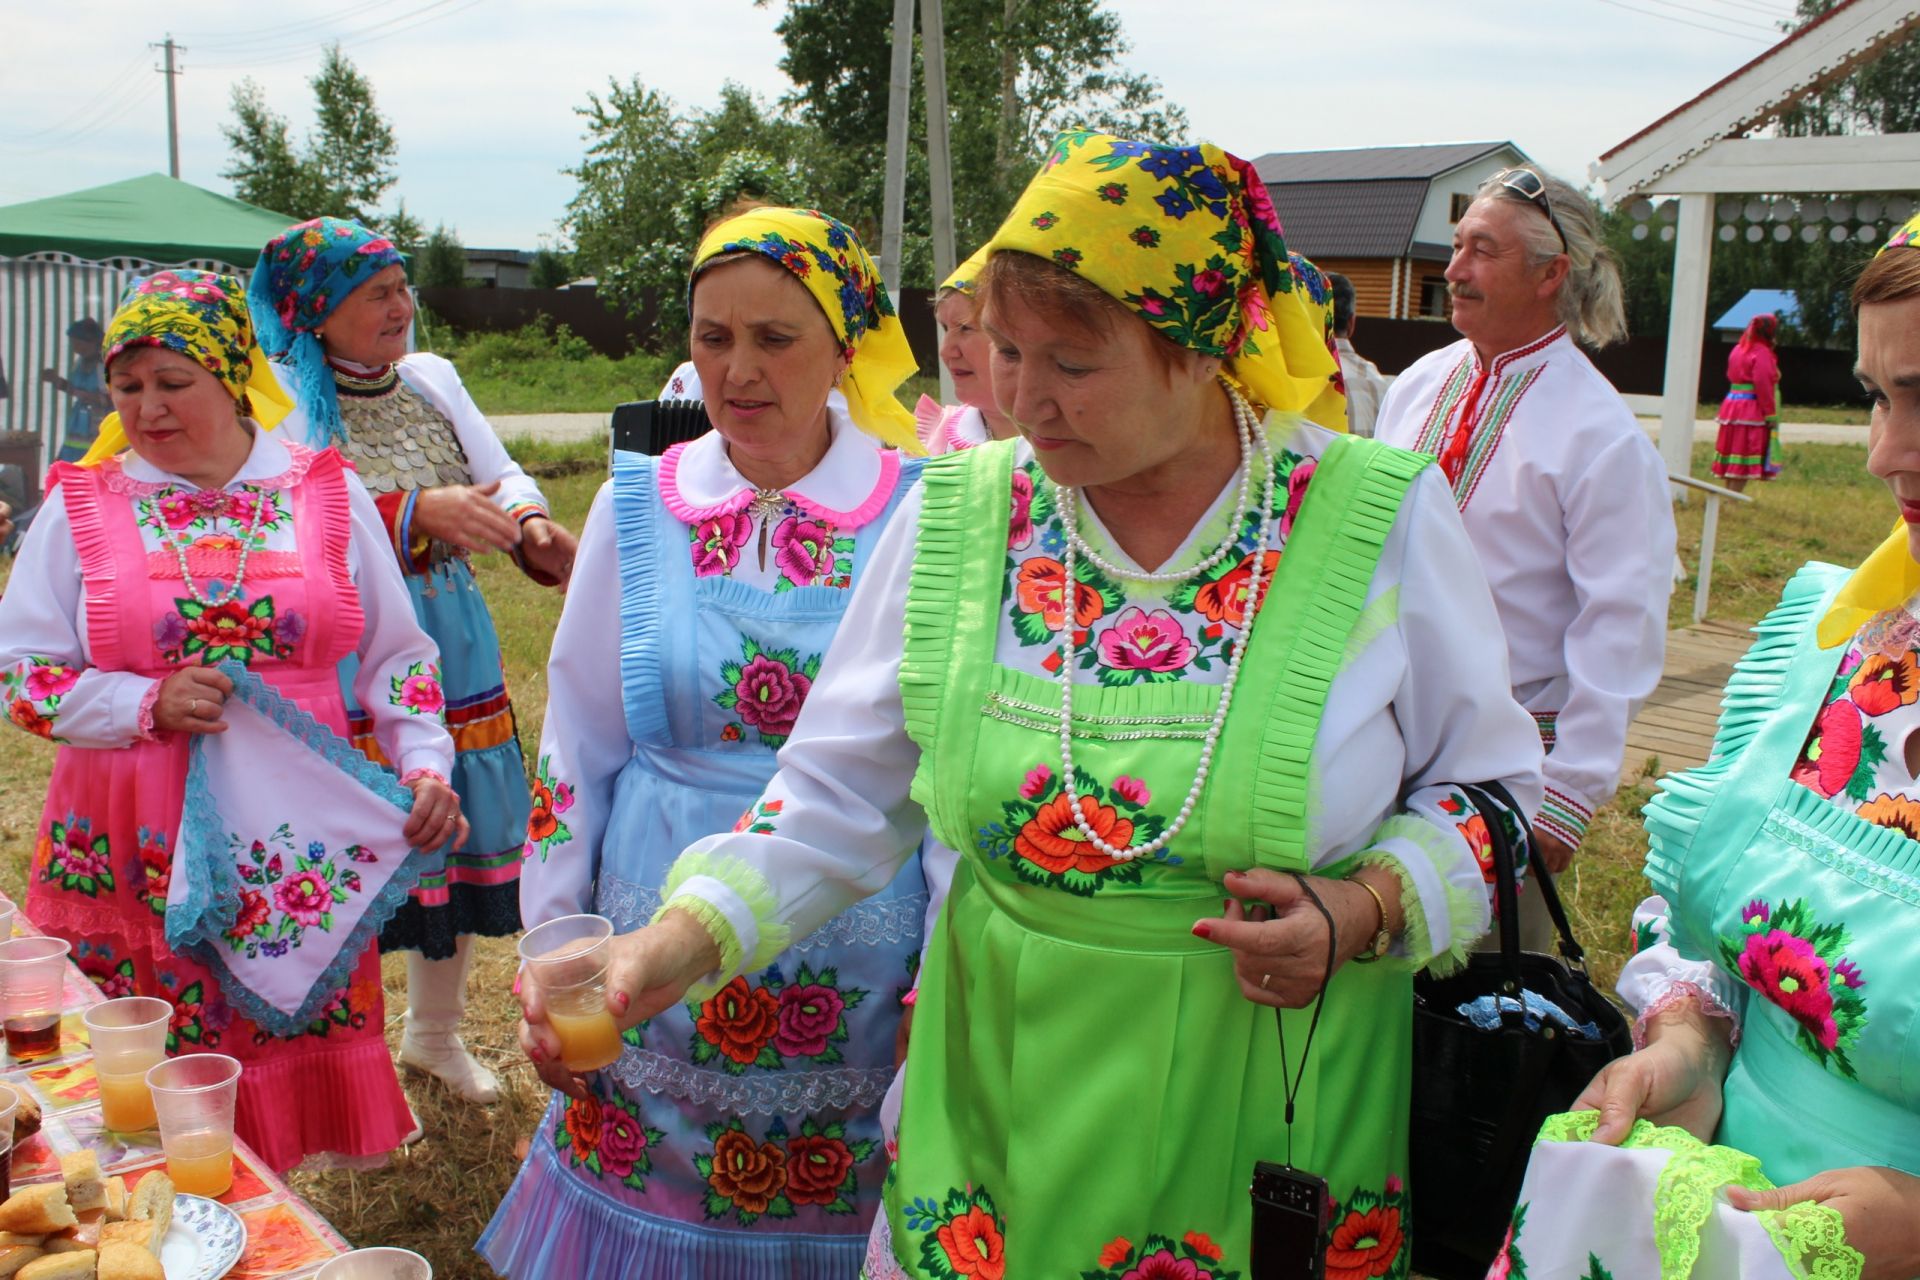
(1480, 1095)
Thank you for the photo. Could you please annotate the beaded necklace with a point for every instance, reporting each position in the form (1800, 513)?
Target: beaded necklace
(210, 501)
(1253, 445)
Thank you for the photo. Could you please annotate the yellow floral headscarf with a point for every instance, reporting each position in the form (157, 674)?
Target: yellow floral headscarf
(1187, 239)
(202, 316)
(967, 274)
(1889, 577)
(826, 256)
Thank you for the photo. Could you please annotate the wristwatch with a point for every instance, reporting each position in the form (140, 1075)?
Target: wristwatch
(1381, 940)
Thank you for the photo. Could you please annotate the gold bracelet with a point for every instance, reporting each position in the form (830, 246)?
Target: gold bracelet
(1382, 939)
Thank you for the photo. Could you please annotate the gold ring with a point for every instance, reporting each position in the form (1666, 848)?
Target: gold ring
(193, 708)
(1265, 978)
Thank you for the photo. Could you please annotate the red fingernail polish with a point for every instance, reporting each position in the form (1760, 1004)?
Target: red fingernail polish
(1203, 929)
(1226, 904)
(536, 1054)
(621, 1001)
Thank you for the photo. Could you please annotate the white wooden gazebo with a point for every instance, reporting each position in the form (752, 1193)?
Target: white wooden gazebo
(1702, 153)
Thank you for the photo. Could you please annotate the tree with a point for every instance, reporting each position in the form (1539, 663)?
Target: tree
(1026, 70)
(441, 262)
(1882, 96)
(550, 269)
(345, 165)
(654, 177)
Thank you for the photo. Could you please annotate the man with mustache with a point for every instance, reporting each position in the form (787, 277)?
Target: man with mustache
(1563, 495)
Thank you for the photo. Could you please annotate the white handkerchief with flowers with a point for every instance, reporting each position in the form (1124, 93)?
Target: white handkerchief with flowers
(290, 857)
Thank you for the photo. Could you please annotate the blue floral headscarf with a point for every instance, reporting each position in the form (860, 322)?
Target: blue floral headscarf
(303, 274)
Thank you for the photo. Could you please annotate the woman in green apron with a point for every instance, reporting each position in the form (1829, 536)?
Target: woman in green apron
(1778, 979)
(1044, 664)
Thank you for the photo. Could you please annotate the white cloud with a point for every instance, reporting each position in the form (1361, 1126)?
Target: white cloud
(482, 100)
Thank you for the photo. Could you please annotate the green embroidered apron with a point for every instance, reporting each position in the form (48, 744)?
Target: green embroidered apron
(1809, 905)
(1087, 1087)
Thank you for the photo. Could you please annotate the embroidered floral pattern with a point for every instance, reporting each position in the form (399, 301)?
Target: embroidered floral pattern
(34, 689)
(114, 980)
(155, 870)
(809, 553)
(1193, 1257)
(766, 689)
(1045, 846)
(76, 859)
(418, 691)
(212, 519)
(1369, 1235)
(1799, 964)
(962, 1237)
(767, 1026)
(551, 798)
(279, 905)
(747, 1180)
(759, 818)
(1508, 1264)
(608, 1139)
(348, 1008)
(716, 543)
(197, 1020)
(212, 633)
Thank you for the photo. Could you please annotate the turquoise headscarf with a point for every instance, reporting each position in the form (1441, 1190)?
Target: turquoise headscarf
(303, 274)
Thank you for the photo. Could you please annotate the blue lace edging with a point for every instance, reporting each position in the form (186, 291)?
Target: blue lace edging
(195, 928)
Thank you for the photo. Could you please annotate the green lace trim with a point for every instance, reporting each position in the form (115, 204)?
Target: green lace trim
(752, 889)
(1417, 949)
(1811, 1238)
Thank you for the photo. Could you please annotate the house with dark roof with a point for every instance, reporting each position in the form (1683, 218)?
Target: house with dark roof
(1382, 216)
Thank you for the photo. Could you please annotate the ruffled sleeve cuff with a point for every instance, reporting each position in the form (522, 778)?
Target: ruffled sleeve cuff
(1442, 895)
(412, 776)
(1677, 987)
(143, 718)
(735, 904)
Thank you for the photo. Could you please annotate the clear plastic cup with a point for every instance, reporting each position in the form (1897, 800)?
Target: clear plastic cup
(9, 1103)
(129, 1036)
(377, 1264)
(32, 974)
(7, 912)
(193, 1097)
(568, 958)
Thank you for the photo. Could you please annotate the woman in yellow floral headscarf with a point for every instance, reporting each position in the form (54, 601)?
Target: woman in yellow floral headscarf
(1049, 673)
(193, 537)
(738, 1136)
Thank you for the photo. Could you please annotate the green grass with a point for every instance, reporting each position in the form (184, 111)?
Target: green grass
(436, 1196)
(546, 369)
(1849, 415)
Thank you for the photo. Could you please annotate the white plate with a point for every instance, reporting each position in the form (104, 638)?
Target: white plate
(204, 1242)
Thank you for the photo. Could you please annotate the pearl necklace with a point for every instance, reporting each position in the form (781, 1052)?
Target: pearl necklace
(180, 542)
(1257, 447)
(1244, 427)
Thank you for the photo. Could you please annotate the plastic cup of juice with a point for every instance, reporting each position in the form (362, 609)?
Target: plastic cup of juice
(32, 972)
(568, 958)
(193, 1097)
(9, 1103)
(377, 1264)
(129, 1036)
(7, 911)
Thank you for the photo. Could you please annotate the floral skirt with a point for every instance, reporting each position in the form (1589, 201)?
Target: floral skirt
(99, 878)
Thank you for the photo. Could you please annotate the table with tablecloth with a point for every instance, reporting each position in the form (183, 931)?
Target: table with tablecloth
(286, 1238)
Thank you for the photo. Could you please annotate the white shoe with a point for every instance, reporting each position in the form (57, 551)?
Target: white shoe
(446, 1058)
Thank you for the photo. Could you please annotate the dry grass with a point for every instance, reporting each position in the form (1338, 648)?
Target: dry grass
(437, 1196)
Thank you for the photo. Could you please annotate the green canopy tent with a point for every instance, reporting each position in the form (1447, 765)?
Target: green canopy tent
(72, 256)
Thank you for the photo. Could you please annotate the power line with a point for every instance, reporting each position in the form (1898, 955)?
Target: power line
(121, 80)
(1774, 32)
(1774, 12)
(1700, 26)
(143, 92)
(268, 35)
(303, 46)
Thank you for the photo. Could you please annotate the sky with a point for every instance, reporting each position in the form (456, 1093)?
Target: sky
(481, 94)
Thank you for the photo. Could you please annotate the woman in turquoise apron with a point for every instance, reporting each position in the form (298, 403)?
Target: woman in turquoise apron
(738, 1137)
(1778, 979)
(1094, 1068)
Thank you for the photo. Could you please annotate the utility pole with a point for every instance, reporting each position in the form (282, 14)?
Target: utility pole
(894, 192)
(173, 109)
(893, 197)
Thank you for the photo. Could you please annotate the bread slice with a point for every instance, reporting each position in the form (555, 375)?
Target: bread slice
(37, 1210)
(129, 1262)
(141, 1234)
(85, 1190)
(152, 1201)
(26, 1114)
(116, 1198)
(15, 1256)
(84, 1235)
(61, 1266)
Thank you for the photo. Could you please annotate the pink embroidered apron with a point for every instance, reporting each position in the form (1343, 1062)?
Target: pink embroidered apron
(102, 862)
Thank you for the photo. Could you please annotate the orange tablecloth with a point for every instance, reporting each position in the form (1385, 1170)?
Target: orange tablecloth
(285, 1237)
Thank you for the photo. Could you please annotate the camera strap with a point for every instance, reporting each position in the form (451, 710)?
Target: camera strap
(1292, 1085)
